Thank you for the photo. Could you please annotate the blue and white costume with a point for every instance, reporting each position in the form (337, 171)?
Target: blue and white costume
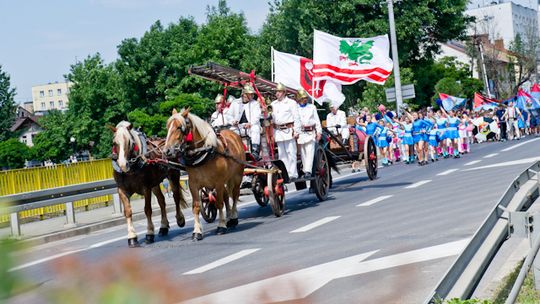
(441, 127)
(434, 138)
(407, 135)
(382, 142)
(452, 130)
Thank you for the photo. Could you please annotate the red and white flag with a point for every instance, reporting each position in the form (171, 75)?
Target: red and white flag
(297, 72)
(348, 60)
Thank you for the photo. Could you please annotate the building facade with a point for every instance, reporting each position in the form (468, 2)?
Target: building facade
(504, 20)
(26, 126)
(532, 4)
(52, 96)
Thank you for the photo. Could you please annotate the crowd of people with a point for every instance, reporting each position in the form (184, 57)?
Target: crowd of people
(413, 137)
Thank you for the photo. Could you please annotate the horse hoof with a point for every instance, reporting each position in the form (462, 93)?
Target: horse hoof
(133, 242)
(181, 223)
(221, 230)
(149, 239)
(163, 231)
(196, 237)
(232, 223)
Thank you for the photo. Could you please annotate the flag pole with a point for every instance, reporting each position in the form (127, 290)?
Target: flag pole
(272, 59)
(393, 39)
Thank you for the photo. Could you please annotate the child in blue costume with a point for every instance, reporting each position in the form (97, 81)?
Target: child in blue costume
(408, 140)
(382, 142)
(420, 127)
(433, 141)
(452, 132)
(441, 122)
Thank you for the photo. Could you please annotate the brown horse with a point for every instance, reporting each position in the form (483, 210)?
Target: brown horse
(133, 175)
(210, 162)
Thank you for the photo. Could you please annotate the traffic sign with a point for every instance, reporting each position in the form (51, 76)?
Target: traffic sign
(407, 91)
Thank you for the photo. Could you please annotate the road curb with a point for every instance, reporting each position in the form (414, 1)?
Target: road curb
(88, 228)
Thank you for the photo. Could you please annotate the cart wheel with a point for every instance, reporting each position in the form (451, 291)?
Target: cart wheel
(370, 157)
(257, 187)
(208, 209)
(322, 180)
(276, 193)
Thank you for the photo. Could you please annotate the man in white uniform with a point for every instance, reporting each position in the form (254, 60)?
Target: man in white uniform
(310, 132)
(249, 120)
(336, 122)
(220, 117)
(286, 129)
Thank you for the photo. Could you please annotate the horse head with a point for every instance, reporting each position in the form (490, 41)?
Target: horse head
(187, 131)
(125, 145)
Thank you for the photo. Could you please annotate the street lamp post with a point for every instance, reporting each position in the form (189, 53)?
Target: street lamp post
(393, 41)
(72, 140)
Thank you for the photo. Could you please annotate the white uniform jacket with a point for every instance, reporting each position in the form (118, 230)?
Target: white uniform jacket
(338, 119)
(285, 112)
(252, 111)
(220, 119)
(310, 124)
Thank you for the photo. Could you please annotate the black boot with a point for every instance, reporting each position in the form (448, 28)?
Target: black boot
(255, 151)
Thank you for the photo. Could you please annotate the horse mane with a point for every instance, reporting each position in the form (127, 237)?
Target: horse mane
(123, 131)
(205, 129)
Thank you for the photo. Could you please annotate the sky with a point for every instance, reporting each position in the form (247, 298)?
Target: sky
(40, 39)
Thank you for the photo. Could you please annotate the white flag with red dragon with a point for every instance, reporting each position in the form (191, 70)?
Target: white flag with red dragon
(348, 60)
(297, 72)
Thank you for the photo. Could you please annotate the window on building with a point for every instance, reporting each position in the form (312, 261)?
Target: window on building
(59, 92)
(60, 104)
(50, 93)
(43, 106)
(41, 93)
(51, 104)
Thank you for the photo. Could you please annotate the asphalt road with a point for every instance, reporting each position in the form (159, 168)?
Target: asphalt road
(411, 224)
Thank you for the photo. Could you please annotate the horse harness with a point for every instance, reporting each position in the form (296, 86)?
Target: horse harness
(137, 155)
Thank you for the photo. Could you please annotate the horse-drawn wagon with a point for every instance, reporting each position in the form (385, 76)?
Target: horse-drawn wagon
(267, 175)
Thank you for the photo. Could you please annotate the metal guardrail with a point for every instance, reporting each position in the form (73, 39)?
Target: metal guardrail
(466, 272)
(16, 203)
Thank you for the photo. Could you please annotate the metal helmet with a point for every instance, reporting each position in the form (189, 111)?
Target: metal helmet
(248, 89)
(281, 87)
(301, 94)
(219, 98)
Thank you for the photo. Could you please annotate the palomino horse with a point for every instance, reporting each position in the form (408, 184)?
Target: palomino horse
(210, 162)
(133, 175)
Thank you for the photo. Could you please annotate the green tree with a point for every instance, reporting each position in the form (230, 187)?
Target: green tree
(7, 105)
(374, 94)
(53, 143)
(96, 100)
(13, 153)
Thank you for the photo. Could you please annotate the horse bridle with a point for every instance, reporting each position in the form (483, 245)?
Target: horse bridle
(131, 158)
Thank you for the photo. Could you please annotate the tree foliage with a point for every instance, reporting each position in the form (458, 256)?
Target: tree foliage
(13, 154)
(7, 105)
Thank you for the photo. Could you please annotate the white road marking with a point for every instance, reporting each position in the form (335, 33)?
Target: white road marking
(96, 245)
(418, 184)
(50, 258)
(374, 201)
(301, 283)
(447, 172)
(316, 224)
(519, 145)
(491, 155)
(223, 261)
(508, 163)
(474, 162)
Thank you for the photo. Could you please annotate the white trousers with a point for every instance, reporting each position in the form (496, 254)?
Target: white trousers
(307, 151)
(254, 134)
(287, 154)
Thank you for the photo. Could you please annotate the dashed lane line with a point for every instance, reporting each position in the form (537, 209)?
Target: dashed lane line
(491, 155)
(519, 145)
(474, 162)
(223, 261)
(374, 201)
(316, 224)
(418, 184)
(447, 172)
